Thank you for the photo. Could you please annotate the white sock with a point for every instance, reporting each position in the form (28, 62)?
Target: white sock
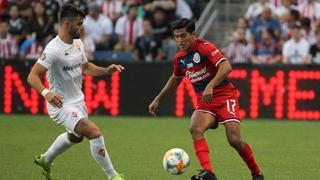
(99, 153)
(59, 145)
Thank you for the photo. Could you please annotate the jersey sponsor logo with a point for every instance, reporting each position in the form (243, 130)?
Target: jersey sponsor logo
(189, 65)
(196, 57)
(72, 67)
(196, 76)
(43, 56)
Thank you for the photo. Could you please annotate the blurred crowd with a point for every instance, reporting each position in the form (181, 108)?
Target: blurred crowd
(140, 28)
(277, 31)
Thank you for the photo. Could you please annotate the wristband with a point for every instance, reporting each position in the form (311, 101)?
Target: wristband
(45, 92)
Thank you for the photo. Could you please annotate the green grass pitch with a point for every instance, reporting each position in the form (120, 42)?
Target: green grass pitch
(285, 150)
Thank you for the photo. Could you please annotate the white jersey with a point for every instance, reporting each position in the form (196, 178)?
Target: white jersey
(295, 51)
(64, 63)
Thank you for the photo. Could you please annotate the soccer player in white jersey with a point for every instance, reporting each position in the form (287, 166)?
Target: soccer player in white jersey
(64, 62)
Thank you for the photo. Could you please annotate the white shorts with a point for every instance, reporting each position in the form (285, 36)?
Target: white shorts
(68, 115)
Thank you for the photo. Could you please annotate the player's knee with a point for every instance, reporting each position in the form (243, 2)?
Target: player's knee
(195, 131)
(94, 133)
(234, 141)
(88, 129)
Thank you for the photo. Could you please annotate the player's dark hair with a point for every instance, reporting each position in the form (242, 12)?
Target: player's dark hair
(184, 23)
(70, 11)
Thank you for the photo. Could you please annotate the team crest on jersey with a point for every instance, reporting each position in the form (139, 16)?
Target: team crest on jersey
(74, 114)
(196, 57)
(78, 47)
(43, 56)
(102, 152)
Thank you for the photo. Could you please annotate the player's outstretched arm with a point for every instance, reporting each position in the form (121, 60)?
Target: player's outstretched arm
(171, 85)
(94, 70)
(35, 80)
(224, 68)
(35, 77)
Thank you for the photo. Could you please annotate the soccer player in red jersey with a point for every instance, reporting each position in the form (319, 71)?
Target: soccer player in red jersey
(217, 101)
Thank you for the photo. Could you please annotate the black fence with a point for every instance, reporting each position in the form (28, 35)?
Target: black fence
(281, 92)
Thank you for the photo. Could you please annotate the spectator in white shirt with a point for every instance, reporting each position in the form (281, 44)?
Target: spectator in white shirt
(295, 51)
(287, 22)
(98, 27)
(128, 28)
(284, 8)
(255, 9)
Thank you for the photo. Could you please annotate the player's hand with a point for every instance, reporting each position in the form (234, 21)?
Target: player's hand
(207, 95)
(153, 107)
(54, 99)
(113, 68)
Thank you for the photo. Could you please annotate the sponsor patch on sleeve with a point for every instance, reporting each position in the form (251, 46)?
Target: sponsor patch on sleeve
(43, 56)
(215, 52)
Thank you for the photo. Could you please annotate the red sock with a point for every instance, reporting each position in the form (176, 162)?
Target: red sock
(247, 156)
(202, 152)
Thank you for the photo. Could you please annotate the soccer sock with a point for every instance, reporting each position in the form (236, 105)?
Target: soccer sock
(59, 145)
(202, 152)
(247, 156)
(100, 154)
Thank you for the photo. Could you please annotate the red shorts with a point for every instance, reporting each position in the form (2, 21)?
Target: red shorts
(224, 105)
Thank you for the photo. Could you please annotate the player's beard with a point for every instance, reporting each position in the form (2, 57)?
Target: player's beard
(74, 34)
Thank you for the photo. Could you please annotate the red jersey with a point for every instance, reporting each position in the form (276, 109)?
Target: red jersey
(200, 64)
